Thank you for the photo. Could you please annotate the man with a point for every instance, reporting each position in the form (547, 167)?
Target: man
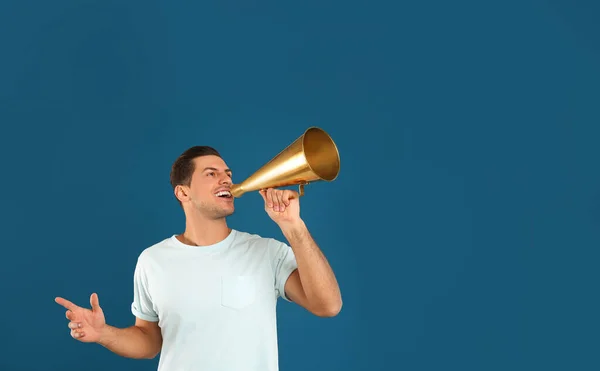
(206, 299)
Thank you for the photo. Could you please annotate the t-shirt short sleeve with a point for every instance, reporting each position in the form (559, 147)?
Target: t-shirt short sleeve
(284, 263)
(142, 306)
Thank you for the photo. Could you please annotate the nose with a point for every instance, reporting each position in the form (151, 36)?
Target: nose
(225, 179)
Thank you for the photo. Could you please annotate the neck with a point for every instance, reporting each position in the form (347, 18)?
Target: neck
(204, 232)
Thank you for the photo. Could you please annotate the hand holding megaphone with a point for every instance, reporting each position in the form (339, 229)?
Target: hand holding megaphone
(282, 205)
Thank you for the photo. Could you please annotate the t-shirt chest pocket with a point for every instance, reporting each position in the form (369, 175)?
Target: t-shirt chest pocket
(238, 292)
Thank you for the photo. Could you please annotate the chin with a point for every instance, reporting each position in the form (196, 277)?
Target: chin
(226, 212)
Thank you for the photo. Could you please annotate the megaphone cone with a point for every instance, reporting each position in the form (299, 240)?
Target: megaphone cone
(312, 157)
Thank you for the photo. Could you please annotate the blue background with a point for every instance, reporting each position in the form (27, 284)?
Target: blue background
(464, 225)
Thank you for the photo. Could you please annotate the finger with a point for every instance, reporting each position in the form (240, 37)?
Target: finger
(95, 302)
(77, 334)
(285, 198)
(270, 197)
(263, 193)
(65, 303)
(289, 196)
(70, 315)
(281, 200)
(74, 325)
(276, 196)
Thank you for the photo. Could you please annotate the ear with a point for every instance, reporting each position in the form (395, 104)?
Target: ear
(181, 193)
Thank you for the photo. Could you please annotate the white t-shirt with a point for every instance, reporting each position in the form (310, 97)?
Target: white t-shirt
(214, 304)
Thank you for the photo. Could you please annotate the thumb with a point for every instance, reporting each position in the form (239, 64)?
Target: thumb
(263, 193)
(95, 302)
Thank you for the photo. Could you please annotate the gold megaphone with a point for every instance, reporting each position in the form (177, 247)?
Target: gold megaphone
(312, 157)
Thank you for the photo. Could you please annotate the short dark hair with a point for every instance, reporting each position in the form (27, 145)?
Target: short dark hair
(184, 166)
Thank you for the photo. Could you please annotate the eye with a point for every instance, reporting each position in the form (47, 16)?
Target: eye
(212, 173)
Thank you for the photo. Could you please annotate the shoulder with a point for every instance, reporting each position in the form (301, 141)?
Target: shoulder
(154, 251)
(256, 240)
(264, 247)
(248, 238)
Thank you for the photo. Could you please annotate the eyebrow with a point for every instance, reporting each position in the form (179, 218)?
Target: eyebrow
(215, 169)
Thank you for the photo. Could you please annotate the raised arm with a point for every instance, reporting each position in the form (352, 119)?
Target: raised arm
(313, 285)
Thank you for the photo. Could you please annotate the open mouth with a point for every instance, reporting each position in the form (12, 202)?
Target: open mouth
(223, 194)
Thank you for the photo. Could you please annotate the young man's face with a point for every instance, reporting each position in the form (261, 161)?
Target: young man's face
(209, 191)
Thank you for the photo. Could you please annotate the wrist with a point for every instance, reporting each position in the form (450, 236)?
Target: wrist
(292, 228)
(104, 335)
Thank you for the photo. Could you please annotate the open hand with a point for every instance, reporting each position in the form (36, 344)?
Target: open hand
(86, 325)
(283, 206)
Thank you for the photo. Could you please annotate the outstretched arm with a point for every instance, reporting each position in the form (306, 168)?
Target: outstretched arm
(313, 285)
(143, 340)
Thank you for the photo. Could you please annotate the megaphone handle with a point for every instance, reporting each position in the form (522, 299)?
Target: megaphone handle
(301, 189)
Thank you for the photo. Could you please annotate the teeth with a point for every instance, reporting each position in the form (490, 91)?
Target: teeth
(223, 193)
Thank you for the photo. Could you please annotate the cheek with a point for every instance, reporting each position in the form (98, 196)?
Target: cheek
(203, 191)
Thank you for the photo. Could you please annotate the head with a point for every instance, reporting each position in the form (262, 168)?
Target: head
(201, 181)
